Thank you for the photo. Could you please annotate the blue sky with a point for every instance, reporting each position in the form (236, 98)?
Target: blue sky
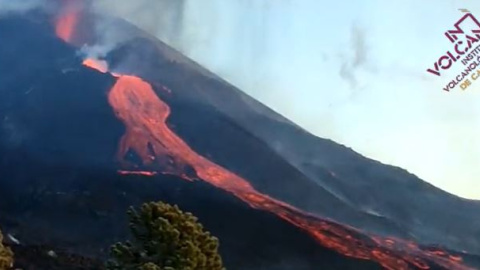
(351, 71)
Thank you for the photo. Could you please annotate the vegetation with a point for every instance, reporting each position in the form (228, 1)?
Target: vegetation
(165, 238)
(6, 255)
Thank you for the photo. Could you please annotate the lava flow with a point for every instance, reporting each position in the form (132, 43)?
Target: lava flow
(144, 115)
(99, 65)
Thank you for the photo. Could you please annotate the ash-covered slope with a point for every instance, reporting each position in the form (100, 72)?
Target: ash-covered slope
(317, 175)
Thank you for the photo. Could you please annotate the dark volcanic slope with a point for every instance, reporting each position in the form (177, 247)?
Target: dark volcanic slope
(315, 174)
(58, 180)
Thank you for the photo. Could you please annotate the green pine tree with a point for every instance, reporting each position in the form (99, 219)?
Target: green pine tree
(6, 255)
(165, 238)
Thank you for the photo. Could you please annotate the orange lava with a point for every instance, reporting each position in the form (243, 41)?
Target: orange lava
(67, 21)
(98, 65)
(144, 173)
(144, 115)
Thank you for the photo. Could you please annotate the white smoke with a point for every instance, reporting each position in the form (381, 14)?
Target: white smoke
(239, 40)
(162, 18)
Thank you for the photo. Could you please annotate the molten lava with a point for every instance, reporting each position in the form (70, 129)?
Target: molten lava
(144, 173)
(67, 21)
(99, 65)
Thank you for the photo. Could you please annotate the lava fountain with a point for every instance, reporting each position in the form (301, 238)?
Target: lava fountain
(68, 20)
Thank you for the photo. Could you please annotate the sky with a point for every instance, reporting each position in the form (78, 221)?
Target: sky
(351, 71)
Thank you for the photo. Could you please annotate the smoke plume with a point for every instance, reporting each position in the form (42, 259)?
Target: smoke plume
(9, 6)
(350, 65)
(162, 18)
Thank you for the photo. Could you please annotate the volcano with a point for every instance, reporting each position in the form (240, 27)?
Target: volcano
(81, 139)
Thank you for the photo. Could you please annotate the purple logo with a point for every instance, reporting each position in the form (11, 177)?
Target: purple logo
(464, 38)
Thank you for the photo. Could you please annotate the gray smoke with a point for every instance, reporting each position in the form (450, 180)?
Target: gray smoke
(350, 65)
(16, 6)
(236, 31)
(162, 18)
(212, 32)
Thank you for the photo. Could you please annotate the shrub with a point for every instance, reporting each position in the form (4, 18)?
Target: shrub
(6, 255)
(165, 238)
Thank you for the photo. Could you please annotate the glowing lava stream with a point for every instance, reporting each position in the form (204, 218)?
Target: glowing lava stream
(67, 21)
(145, 115)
